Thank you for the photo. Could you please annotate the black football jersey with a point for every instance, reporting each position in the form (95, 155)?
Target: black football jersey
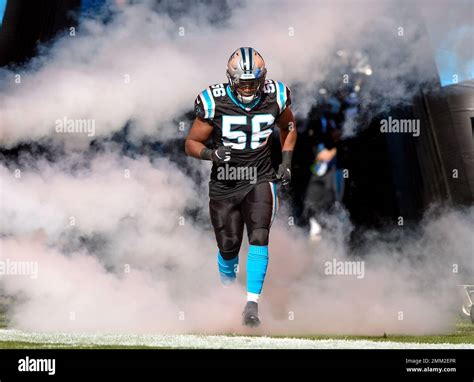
(247, 129)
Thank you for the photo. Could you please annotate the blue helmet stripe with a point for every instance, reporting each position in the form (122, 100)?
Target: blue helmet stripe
(244, 59)
(250, 58)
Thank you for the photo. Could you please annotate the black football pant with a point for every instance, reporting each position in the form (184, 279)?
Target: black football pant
(255, 209)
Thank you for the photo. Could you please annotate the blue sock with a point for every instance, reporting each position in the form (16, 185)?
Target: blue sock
(257, 262)
(227, 268)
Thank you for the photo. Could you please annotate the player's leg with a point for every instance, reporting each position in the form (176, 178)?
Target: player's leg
(258, 209)
(319, 199)
(228, 226)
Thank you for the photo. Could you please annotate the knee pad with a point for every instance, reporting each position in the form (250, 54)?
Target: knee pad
(230, 247)
(258, 236)
(229, 255)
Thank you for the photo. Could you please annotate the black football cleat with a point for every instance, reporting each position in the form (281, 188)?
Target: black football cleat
(250, 315)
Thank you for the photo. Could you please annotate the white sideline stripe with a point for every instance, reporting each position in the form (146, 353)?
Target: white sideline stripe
(209, 341)
(274, 203)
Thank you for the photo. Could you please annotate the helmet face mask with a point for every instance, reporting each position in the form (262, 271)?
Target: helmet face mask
(247, 90)
(246, 73)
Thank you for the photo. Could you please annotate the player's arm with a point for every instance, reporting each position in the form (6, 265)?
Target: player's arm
(198, 135)
(195, 147)
(287, 125)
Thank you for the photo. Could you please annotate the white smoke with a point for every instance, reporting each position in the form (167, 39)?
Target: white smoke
(147, 68)
(145, 265)
(116, 245)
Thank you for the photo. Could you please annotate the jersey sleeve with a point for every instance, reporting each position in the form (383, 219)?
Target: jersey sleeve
(283, 96)
(205, 106)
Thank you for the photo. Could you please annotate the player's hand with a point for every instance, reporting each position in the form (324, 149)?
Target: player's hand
(326, 155)
(284, 175)
(284, 170)
(221, 154)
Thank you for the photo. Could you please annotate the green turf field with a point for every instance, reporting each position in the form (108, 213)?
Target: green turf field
(463, 334)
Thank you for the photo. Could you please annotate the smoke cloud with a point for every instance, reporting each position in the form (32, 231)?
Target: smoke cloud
(146, 67)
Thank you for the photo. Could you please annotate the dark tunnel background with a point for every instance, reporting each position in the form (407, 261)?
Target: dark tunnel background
(390, 175)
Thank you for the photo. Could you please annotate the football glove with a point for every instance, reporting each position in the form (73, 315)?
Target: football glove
(284, 170)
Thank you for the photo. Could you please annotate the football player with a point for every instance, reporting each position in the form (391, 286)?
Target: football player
(240, 116)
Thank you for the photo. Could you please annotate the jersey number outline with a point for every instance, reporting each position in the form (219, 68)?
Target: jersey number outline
(269, 87)
(218, 90)
(257, 137)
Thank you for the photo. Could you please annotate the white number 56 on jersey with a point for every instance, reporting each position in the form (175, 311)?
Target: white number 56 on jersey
(237, 139)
